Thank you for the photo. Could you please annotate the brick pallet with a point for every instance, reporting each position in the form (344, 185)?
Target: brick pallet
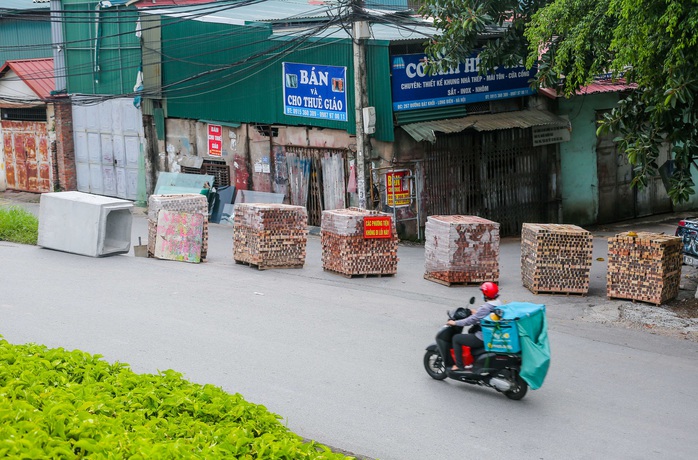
(187, 203)
(270, 235)
(346, 251)
(556, 258)
(461, 250)
(644, 266)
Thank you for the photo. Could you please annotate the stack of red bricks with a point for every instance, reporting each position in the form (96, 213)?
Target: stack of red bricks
(346, 251)
(189, 203)
(556, 258)
(644, 266)
(270, 235)
(461, 249)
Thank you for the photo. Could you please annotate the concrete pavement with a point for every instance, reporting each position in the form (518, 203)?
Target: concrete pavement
(340, 359)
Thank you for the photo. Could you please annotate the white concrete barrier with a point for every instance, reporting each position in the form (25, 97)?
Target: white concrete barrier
(86, 224)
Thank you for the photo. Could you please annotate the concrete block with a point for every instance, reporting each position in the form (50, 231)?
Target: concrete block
(85, 224)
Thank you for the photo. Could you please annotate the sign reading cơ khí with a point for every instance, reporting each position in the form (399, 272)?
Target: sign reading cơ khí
(315, 91)
(413, 88)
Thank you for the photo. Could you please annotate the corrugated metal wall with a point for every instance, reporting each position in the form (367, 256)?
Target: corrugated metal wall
(118, 53)
(25, 39)
(253, 91)
(497, 175)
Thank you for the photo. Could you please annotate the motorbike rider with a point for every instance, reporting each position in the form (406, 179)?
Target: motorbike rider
(473, 339)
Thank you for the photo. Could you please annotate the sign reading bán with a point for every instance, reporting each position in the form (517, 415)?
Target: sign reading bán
(315, 91)
(397, 188)
(378, 227)
(413, 87)
(215, 140)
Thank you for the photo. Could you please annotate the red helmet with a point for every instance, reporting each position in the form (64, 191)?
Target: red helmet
(489, 289)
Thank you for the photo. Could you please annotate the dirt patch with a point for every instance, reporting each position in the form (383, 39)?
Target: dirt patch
(677, 318)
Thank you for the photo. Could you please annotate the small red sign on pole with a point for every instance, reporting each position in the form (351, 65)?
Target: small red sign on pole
(378, 227)
(215, 140)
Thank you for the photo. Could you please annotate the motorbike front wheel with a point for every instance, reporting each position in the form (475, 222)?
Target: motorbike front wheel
(434, 365)
(520, 389)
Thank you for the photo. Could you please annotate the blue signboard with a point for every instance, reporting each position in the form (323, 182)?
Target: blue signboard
(413, 88)
(315, 91)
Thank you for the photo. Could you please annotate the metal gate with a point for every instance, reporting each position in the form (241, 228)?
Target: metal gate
(497, 175)
(27, 156)
(108, 143)
(617, 199)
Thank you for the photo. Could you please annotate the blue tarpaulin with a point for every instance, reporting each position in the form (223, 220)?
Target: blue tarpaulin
(532, 326)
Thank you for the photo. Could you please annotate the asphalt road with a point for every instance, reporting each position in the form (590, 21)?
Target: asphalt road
(341, 359)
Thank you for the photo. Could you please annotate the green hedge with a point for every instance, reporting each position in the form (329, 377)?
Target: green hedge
(70, 404)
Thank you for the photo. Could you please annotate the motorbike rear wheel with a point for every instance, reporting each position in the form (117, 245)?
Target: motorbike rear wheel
(520, 389)
(434, 365)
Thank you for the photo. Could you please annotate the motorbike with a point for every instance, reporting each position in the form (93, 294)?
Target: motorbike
(494, 370)
(688, 231)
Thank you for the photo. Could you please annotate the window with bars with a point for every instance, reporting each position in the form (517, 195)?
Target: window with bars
(24, 114)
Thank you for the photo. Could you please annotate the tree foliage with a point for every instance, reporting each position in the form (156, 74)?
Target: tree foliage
(650, 43)
(494, 28)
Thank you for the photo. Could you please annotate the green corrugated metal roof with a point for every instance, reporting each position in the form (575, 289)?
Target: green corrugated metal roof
(424, 131)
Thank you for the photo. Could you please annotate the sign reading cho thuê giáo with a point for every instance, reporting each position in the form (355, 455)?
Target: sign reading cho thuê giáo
(215, 140)
(315, 91)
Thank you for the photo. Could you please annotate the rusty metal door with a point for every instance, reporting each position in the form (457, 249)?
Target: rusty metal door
(27, 156)
(616, 197)
(109, 140)
(498, 175)
(3, 177)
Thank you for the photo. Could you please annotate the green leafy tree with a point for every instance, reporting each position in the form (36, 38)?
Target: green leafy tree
(651, 44)
(494, 28)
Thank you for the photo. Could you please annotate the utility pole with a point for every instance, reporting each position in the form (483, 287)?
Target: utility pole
(360, 34)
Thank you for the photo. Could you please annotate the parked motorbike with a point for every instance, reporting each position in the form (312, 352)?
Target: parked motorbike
(495, 370)
(688, 231)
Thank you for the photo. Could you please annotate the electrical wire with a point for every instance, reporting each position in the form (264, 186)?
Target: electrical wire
(256, 63)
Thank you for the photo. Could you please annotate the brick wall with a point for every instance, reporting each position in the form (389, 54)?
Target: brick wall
(65, 150)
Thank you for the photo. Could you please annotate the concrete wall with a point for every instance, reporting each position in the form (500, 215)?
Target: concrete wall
(579, 179)
(246, 149)
(578, 159)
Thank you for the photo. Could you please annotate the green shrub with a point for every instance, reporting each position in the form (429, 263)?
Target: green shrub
(18, 225)
(62, 404)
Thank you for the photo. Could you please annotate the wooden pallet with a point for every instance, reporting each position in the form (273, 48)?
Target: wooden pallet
(635, 300)
(543, 292)
(452, 283)
(360, 275)
(265, 267)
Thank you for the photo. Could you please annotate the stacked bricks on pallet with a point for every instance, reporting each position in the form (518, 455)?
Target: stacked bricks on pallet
(190, 203)
(644, 266)
(270, 235)
(556, 258)
(461, 250)
(346, 251)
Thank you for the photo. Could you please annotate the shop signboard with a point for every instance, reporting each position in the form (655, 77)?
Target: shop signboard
(413, 88)
(397, 188)
(315, 91)
(215, 140)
